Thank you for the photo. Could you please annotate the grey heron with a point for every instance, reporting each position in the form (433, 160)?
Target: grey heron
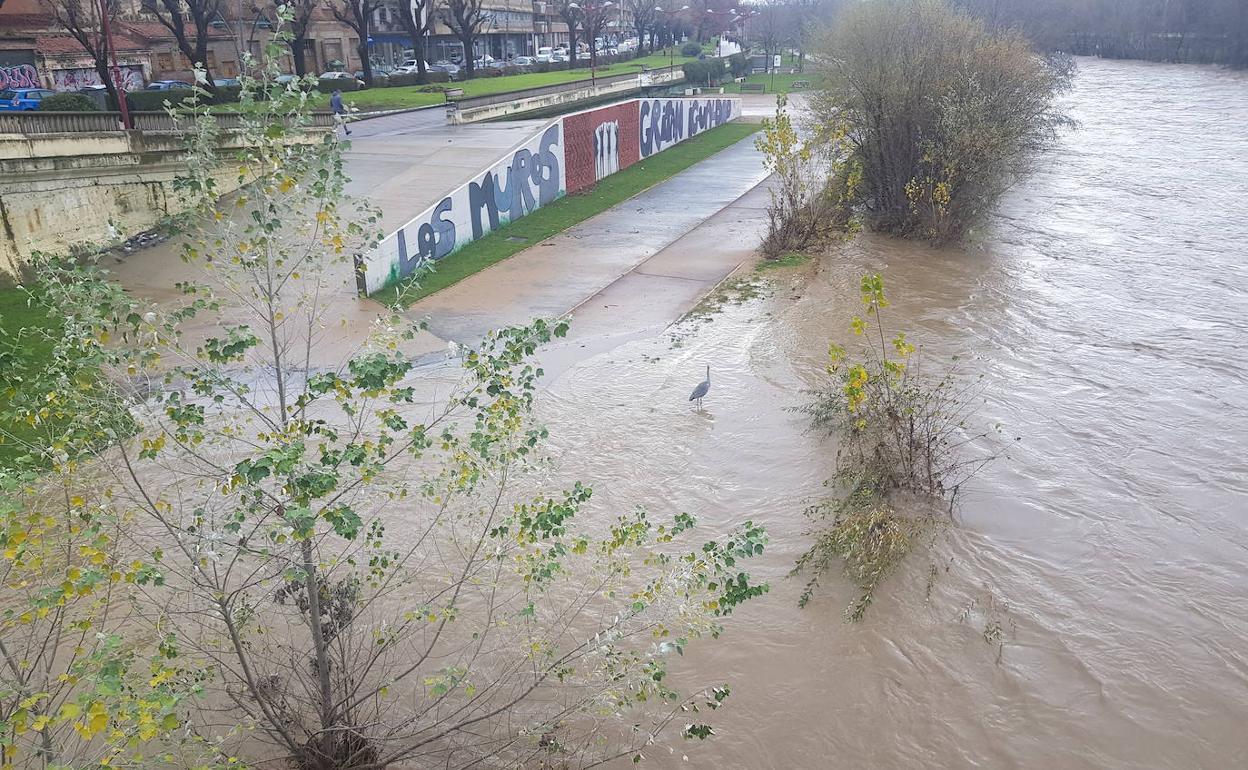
(702, 388)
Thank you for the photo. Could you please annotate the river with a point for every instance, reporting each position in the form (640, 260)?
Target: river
(1106, 305)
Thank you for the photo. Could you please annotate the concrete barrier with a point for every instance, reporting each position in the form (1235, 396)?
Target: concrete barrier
(508, 105)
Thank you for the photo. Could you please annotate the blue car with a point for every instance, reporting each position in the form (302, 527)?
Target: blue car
(22, 99)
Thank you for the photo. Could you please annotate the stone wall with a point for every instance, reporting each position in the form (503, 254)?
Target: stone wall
(60, 191)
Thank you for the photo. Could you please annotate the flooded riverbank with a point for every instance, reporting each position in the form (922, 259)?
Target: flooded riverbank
(1105, 305)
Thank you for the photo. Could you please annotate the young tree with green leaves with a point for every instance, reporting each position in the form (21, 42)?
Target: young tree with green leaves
(361, 550)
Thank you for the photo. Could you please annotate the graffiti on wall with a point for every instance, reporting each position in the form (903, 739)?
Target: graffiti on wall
(599, 142)
(74, 79)
(665, 122)
(606, 149)
(569, 155)
(19, 76)
(531, 177)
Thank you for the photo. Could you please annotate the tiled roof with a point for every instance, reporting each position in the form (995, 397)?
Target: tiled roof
(155, 31)
(25, 22)
(64, 45)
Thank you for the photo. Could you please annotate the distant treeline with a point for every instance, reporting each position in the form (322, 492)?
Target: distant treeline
(1203, 31)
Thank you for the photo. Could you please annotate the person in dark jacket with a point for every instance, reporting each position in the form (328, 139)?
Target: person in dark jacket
(335, 104)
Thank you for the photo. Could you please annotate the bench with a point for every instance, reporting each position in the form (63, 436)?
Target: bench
(453, 92)
(753, 88)
(798, 85)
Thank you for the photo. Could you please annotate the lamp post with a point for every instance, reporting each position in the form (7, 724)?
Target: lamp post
(671, 31)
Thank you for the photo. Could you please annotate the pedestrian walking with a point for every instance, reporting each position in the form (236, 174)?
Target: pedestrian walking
(340, 112)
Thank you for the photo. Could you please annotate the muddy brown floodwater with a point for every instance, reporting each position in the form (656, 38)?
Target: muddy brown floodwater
(1107, 306)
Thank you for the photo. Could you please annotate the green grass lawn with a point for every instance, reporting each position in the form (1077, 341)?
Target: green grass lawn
(564, 213)
(775, 84)
(406, 97)
(19, 353)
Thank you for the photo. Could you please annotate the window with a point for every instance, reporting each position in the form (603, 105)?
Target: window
(212, 60)
(164, 62)
(332, 51)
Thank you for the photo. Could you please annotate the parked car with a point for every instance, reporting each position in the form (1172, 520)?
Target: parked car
(544, 53)
(583, 56)
(168, 85)
(225, 82)
(523, 61)
(22, 99)
(410, 65)
(451, 70)
(334, 75)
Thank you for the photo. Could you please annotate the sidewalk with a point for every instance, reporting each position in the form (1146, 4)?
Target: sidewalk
(651, 256)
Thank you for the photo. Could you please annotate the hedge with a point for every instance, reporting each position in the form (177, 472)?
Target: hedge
(68, 102)
(409, 78)
(706, 72)
(690, 49)
(329, 85)
(739, 64)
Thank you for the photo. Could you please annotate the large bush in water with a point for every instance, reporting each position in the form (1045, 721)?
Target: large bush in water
(941, 114)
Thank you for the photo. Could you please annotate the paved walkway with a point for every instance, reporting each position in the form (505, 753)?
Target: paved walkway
(646, 259)
(406, 162)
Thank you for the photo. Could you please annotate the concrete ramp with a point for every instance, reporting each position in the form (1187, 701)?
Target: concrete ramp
(404, 163)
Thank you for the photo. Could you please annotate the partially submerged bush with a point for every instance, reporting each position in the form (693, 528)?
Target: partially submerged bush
(900, 432)
(813, 185)
(943, 114)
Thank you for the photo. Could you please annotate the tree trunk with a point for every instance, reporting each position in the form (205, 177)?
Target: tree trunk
(298, 52)
(465, 42)
(365, 64)
(106, 77)
(418, 48)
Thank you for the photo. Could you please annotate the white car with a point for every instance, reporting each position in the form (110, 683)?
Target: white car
(339, 76)
(410, 66)
(523, 61)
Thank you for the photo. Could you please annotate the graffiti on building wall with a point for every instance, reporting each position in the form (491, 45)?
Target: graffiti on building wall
(74, 79)
(665, 122)
(532, 177)
(19, 76)
(606, 149)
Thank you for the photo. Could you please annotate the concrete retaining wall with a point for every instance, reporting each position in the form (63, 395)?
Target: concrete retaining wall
(569, 154)
(59, 191)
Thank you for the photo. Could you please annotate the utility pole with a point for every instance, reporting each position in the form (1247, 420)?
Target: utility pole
(106, 30)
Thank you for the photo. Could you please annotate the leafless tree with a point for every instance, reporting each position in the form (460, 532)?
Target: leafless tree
(296, 28)
(358, 15)
(645, 19)
(572, 15)
(417, 17)
(82, 20)
(190, 21)
(466, 18)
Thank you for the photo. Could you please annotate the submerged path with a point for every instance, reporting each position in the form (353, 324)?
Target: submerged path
(637, 265)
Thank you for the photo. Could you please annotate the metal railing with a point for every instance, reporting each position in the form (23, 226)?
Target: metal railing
(36, 122)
